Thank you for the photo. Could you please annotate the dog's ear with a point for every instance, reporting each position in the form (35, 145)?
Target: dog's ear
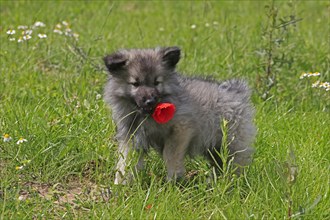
(171, 56)
(115, 62)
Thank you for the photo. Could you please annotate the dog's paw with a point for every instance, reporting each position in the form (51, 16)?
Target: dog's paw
(121, 179)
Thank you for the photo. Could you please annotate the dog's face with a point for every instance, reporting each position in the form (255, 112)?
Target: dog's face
(143, 75)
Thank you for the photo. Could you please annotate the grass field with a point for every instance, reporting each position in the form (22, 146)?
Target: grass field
(51, 96)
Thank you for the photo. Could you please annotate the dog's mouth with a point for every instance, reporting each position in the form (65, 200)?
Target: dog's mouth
(147, 106)
(147, 110)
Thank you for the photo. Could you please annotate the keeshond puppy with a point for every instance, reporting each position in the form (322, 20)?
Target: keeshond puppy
(140, 79)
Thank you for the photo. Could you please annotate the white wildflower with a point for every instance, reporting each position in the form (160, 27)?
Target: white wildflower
(27, 37)
(21, 140)
(65, 23)
(98, 96)
(75, 35)
(22, 27)
(39, 24)
(207, 25)
(19, 167)
(58, 26)
(11, 32)
(68, 32)
(325, 85)
(58, 31)
(310, 74)
(27, 32)
(41, 36)
(12, 39)
(193, 26)
(316, 84)
(6, 138)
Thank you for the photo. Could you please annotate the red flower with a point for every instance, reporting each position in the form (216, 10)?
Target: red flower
(148, 207)
(163, 112)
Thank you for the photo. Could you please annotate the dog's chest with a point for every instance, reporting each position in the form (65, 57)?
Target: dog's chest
(153, 135)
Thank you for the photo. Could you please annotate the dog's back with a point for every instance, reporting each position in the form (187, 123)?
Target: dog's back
(214, 102)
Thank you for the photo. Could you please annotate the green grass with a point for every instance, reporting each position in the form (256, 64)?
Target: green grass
(49, 95)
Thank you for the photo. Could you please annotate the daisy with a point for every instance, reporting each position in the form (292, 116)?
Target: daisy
(98, 96)
(65, 23)
(303, 75)
(39, 24)
(11, 32)
(325, 85)
(19, 167)
(58, 26)
(21, 140)
(22, 27)
(310, 74)
(20, 40)
(6, 138)
(58, 31)
(27, 37)
(41, 36)
(316, 84)
(68, 32)
(12, 39)
(27, 32)
(75, 35)
(193, 26)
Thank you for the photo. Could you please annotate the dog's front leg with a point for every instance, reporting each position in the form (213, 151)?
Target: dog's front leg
(123, 150)
(122, 177)
(174, 152)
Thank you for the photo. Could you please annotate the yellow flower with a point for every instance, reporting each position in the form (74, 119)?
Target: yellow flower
(6, 138)
(19, 167)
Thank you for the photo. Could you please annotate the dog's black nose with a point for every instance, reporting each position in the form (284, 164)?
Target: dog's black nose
(150, 102)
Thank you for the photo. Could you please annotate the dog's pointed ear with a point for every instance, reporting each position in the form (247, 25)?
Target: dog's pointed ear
(171, 56)
(115, 62)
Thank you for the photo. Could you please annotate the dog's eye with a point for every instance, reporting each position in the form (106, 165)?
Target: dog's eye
(135, 84)
(156, 83)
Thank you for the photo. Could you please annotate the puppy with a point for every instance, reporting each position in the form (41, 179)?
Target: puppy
(140, 79)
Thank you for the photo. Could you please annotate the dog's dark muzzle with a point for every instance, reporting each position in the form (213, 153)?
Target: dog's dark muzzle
(148, 105)
(146, 99)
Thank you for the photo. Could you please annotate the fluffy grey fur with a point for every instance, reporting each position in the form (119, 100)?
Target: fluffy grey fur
(141, 78)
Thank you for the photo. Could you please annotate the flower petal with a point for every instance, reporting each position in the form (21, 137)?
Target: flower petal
(164, 112)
